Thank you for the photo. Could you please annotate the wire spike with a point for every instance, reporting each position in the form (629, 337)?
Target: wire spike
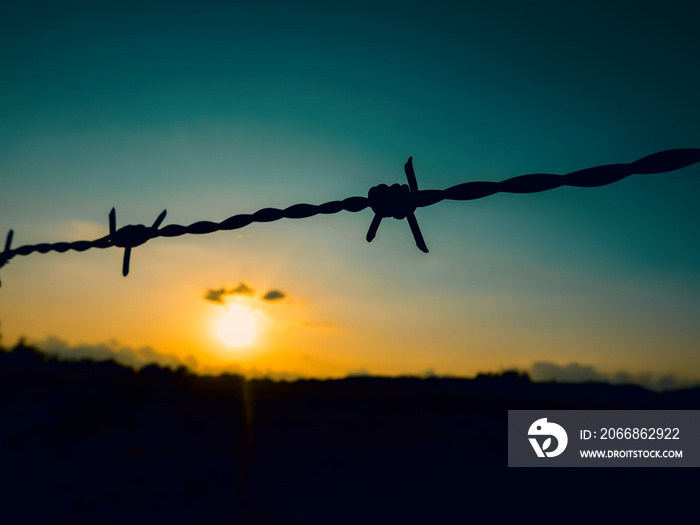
(373, 227)
(4, 258)
(415, 230)
(112, 221)
(125, 263)
(8, 240)
(159, 220)
(411, 175)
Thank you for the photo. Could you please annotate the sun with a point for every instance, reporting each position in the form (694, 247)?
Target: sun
(238, 326)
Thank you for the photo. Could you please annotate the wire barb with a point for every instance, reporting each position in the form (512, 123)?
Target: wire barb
(6, 254)
(398, 200)
(130, 236)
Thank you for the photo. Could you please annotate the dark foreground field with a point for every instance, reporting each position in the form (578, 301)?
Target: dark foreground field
(87, 442)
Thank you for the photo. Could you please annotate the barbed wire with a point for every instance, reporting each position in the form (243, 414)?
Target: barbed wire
(399, 201)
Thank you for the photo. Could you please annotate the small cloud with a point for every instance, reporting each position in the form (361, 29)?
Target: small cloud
(577, 373)
(274, 295)
(133, 357)
(571, 373)
(242, 289)
(216, 296)
(361, 372)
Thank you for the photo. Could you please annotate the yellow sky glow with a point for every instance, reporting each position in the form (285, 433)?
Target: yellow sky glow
(327, 325)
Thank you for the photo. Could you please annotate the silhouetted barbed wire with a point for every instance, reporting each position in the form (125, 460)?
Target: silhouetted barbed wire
(398, 200)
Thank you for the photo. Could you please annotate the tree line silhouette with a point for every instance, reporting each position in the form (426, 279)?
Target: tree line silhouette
(102, 442)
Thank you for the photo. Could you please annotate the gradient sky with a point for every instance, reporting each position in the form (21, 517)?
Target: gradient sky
(210, 109)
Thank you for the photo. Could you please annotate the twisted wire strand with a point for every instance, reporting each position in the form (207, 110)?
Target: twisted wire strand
(661, 162)
(397, 200)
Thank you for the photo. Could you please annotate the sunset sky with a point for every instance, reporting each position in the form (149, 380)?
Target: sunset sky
(210, 109)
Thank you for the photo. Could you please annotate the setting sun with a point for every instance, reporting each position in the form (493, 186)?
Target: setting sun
(238, 326)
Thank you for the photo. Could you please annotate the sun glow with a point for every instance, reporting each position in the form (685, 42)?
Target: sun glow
(238, 326)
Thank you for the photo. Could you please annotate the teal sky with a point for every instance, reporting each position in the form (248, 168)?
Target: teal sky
(210, 109)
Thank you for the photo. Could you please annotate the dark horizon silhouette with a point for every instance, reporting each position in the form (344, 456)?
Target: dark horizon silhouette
(100, 442)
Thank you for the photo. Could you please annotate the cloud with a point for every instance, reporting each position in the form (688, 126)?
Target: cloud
(138, 358)
(577, 373)
(133, 357)
(274, 295)
(216, 295)
(571, 373)
(242, 289)
(360, 372)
